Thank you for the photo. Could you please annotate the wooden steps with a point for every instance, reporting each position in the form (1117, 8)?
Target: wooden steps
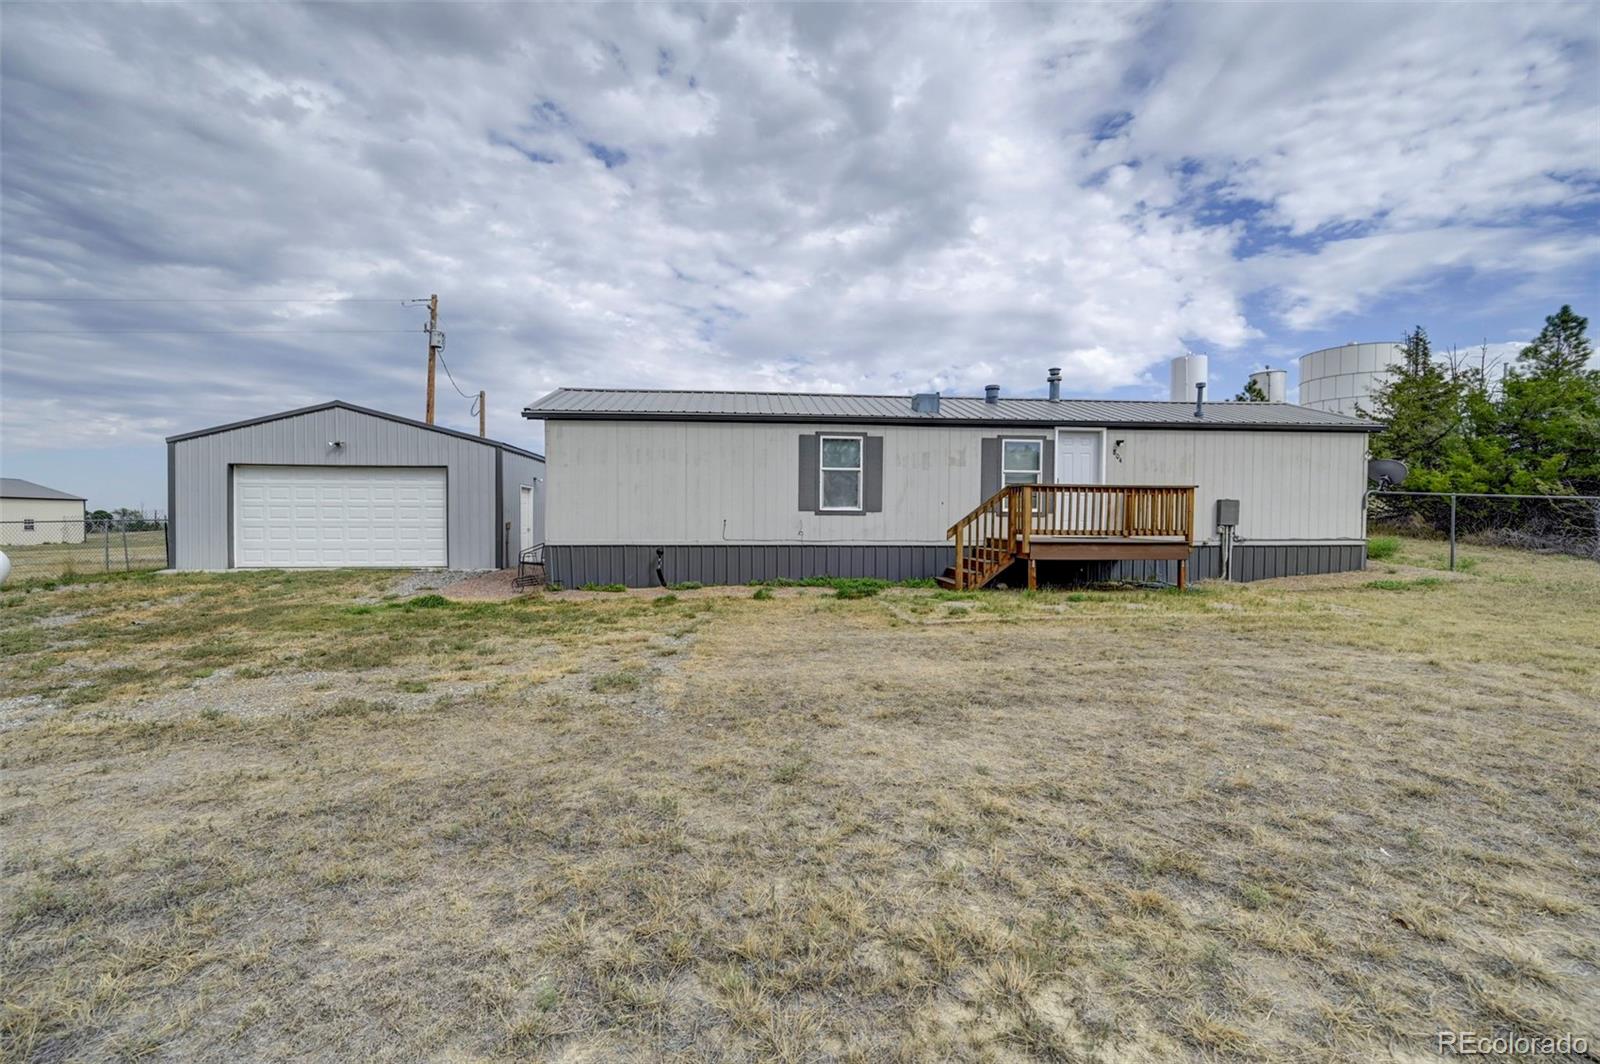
(1042, 522)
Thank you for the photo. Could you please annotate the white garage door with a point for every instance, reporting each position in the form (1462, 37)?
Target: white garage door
(332, 516)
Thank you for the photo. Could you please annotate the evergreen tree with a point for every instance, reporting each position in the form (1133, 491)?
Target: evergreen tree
(1539, 435)
(1250, 393)
(1549, 412)
(1562, 346)
(1423, 405)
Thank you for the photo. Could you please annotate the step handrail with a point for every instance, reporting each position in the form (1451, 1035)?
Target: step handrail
(991, 536)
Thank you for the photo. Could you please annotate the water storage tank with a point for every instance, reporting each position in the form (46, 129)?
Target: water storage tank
(1338, 378)
(1187, 371)
(1274, 384)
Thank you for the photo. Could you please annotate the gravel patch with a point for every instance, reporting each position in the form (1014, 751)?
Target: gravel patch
(423, 580)
(495, 585)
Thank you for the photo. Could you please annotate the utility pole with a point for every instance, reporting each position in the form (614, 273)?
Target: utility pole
(483, 430)
(433, 349)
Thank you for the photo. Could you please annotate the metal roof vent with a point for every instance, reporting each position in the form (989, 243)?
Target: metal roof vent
(1055, 384)
(1200, 399)
(991, 393)
(925, 403)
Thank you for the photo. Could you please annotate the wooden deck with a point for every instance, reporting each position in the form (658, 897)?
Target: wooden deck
(1072, 522)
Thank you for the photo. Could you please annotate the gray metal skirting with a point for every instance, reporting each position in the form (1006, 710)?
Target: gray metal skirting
(634, 566)
(740, 564)
(1251, 561)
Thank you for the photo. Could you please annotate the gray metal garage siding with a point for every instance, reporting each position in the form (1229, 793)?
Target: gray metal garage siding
(515, 471)
(200, 475)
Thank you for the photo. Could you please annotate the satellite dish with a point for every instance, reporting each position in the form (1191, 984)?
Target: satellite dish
(1386, 472)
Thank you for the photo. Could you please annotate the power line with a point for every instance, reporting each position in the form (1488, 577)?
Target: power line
(453, 383)
(197, 332)
(197, 299)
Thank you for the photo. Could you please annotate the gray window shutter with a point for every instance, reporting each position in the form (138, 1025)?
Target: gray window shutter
(1047, 472)
(991, 465)
(872, 475)
(808, 472)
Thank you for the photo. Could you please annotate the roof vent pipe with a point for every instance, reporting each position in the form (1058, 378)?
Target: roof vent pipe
(1055, 384)
(1199, 399)
(991, 393)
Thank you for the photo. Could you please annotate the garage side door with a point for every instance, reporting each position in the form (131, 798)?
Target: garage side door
(336, 516)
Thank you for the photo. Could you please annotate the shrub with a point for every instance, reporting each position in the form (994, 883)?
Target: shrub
(1381, 547)
(762, 594)
(687, 585)
(665, 600)
(427, 602)
(843, 587)
(603, 587)
(852, 589)
(555, 586)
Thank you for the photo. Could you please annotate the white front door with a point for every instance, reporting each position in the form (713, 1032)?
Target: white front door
(527, 519)
(335, 516)
(1078, 458)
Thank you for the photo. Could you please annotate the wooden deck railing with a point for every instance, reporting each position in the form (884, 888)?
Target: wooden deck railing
(1003, 526)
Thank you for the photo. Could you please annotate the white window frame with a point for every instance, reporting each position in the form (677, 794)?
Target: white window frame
(859, 469)
(1038, 470)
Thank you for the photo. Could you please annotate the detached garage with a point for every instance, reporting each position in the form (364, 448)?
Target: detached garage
(337, 485)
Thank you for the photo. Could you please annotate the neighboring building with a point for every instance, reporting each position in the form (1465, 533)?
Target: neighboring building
(338, 485)
(736, 486)
(1338, 378)
(32, 513)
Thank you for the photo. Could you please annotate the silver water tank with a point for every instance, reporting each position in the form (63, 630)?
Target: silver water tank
(1339, 378)
(1187, 371)
(1274, 384)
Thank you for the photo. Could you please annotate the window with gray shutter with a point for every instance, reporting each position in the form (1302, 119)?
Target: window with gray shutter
(840, 473)
(1015, 460)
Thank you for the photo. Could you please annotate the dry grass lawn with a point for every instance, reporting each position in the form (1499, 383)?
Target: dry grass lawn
(273, 816)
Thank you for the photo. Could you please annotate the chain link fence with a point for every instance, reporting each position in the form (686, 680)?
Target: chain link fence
(41, 549)
(1556, 524)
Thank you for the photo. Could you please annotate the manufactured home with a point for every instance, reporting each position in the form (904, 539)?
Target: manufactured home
(340, 485)
(729, 487)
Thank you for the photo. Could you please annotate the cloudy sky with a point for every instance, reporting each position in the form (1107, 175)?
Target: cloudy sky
(216, 211)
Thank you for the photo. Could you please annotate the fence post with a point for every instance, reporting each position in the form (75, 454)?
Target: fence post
(125, 565)
(1452, 532)
(106, 543)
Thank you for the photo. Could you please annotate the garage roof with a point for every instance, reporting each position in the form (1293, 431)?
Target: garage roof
(12, 488)
(342, 405)
(630, 404)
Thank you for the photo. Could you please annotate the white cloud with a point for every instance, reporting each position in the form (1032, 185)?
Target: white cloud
(880, 198)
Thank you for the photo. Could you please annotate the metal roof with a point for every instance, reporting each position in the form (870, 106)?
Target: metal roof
(621, 404)
(339, 404)
(12, 488)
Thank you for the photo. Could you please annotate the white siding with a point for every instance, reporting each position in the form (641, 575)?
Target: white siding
(1291, 486)
(661, 483)
(54, 521)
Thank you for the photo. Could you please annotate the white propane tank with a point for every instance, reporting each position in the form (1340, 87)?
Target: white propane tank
(1187, 371)
(5, 567)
